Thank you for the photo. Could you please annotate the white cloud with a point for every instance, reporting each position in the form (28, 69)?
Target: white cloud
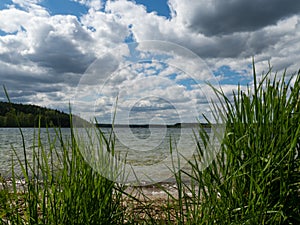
(93, 4)
(107, 30)
(31, 6)
(220, 17)
(142, 89)
(11, 20)
(49, 54)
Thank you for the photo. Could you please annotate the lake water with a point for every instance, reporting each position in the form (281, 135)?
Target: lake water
(11, 145)
(146, 150)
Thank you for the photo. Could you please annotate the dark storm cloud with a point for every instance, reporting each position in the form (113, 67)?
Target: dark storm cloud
(225, 17)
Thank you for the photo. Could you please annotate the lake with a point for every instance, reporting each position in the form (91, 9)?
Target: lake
(146, 150)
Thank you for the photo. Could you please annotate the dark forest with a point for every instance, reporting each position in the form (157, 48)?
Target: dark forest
(23, 115)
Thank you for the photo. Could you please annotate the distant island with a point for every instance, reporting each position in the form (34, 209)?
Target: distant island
(25, 115)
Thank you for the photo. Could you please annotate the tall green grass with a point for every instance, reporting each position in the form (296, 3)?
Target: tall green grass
(61, 187)
(255, 179)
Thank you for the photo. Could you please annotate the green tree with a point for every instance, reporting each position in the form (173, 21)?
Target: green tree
(11, 120)
(2, 121)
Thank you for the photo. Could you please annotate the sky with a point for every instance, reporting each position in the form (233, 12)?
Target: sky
(147, 60)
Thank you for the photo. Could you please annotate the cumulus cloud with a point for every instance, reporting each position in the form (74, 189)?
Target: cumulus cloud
(44, 57)
(233, 45)
(225, 17)
(94, 4)
(146, 85)
(42, 52)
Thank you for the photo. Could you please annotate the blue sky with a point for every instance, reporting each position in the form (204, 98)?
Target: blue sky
(46, 47)
(67, 7)
(64, 7)
(159, 6)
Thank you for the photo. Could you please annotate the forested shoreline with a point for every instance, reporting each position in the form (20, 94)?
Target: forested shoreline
(25, 115)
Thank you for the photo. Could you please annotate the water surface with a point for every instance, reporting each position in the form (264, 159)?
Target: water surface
(141, 147)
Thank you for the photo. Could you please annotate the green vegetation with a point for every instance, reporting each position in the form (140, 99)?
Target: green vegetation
(255, 179)
(61, 188)
(31, 115)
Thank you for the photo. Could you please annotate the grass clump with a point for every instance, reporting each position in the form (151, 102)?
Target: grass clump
(256, 177)
(60, 188)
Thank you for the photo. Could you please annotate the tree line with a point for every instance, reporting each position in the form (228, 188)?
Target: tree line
(24, 115)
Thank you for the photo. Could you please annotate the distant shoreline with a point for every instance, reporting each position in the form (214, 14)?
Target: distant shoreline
(107, 125)
(176, 125)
